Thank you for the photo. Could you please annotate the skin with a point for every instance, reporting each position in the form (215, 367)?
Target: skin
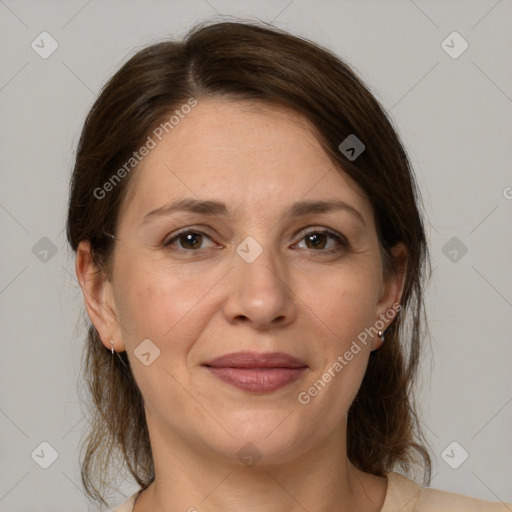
(294, 298)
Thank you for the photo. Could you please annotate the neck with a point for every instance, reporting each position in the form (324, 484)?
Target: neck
(320, 479)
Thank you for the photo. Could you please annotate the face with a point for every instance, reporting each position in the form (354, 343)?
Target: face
(260, 270)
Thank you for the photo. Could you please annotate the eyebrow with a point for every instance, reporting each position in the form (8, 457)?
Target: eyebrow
(217, 208)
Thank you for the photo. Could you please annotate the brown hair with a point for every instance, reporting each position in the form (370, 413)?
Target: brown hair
(247, 61)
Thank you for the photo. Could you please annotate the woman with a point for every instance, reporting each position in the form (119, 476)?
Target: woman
(252, 255)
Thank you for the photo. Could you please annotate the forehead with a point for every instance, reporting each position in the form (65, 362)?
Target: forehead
(250, 154)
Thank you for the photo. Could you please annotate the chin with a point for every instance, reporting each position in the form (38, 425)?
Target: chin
(267, 437)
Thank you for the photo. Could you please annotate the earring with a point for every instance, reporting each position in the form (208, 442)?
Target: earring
(382, 335)
(112, 343)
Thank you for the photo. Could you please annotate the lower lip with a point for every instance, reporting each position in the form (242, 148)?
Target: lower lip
(257, 380)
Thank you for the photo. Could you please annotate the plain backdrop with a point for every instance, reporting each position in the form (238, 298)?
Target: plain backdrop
(454, 115)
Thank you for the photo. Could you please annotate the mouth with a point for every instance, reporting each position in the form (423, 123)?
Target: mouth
(257, 373)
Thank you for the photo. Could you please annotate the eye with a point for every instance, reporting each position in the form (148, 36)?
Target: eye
(317, 240)
(188, 240)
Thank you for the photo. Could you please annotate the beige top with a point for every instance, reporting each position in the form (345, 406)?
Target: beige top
(404, 495)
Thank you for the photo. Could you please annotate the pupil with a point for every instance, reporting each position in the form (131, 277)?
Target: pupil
(190, 238)
(314, 239)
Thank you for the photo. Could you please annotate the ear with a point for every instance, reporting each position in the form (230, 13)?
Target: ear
(391, 291)
(98, 297)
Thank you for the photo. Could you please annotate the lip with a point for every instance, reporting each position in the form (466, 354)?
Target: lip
(256, 360)
(257, 372)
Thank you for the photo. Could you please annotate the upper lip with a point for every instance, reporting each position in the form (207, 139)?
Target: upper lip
(256, 360)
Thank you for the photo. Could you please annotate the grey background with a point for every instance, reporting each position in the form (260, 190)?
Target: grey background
(454, 116)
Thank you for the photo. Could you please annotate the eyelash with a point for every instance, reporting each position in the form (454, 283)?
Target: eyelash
(342, 241)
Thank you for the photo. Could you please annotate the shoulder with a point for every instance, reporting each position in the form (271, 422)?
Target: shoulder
(404, 495)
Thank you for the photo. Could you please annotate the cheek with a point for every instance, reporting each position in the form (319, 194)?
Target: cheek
(346, 301)
(161, 304)
(344, 305)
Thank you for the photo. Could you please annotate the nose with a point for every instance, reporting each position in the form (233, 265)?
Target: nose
(260, 290)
